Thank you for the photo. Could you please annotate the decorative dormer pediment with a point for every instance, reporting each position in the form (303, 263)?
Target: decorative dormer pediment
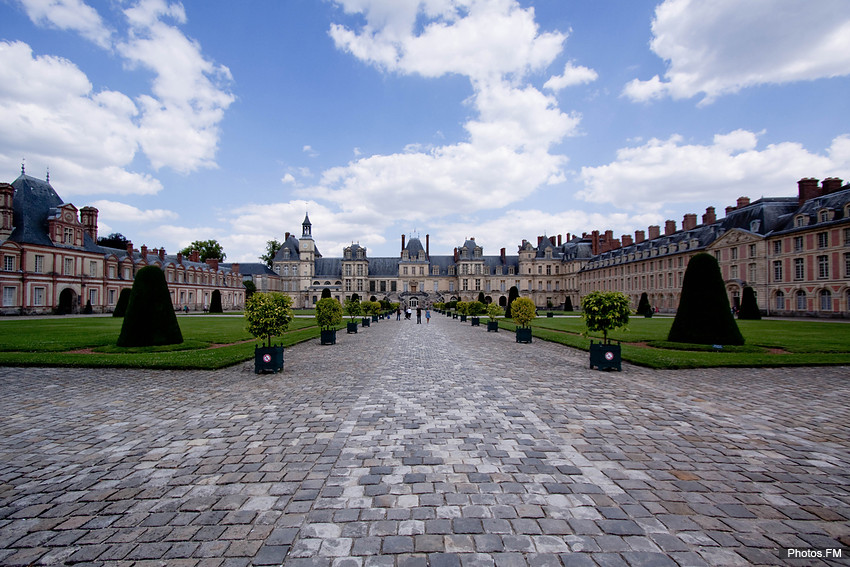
(64, 227)
(735, 236)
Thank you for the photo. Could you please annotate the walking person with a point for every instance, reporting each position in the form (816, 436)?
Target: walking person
(398, 313)
(418, 315)
(427, 315)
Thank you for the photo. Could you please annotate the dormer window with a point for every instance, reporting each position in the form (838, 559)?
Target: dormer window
(824, 215)
(348, 254)
(286, 253)
(755, 226)
(800, 220)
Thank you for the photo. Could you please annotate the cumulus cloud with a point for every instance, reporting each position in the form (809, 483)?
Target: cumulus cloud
(72, 15)
(719, 47)
(571, 76)
(670, 171)
(115, 211)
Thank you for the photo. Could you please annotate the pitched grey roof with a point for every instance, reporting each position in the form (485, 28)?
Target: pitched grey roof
(32, 203)
(290, 244)
(386, 267)
(250, 269)
(414, 246)
(328, 268)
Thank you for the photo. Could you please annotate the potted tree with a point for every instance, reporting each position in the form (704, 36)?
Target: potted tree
(522, 312)
(493, 311)
(463, 309)
(549, 308)
(604, 311)
(476, 308)
(328, 317)
(372, 308)
(353, 308)
(268, 315)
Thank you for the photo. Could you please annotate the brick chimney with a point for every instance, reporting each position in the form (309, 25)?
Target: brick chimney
(162, 254)
(669, 227)
(457, 256)
(539, 240)
(654, 231)
(568, 237)
(710, 217)
(831, 185)
(88, 218)
(559, 240)
(552, 240)
(640, 236)
(7, 215)
(427, 246)
(729, 209)
(180, 258)
(195, 256)
(594, 242)
(213, 263)
(502, 254)
(627, 239)
(402, 243)
(689, 221)
(129, 248)
(743, 202)
(807, 188)
(285, 238)
(234, 268)
(144, 252)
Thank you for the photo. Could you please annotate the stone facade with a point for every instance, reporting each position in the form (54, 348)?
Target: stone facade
(51, 262)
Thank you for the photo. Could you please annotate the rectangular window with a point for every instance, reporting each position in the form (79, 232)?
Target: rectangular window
(798, 244)
(39, 264)
(777, 270)
(451, 286)
(502, 286)
(548, 270)
(68, 236)
(69, 267)
(348, 269)
(734, 253)
(421, 270)
(383, 286)
(465, 285)
(847, 265)
(752, 272)
(347, 285)
(371, 285)
(752, 250)
(93, 268)
(780, 302)
(733, 272)
(294, 270)
(9, 296)
(93, 296)
(393, 285)
(38, 296)
(359, 285)
(111, 296)
(112, 273)
(823, 239)
(359, 270)
(777, 247)
(823, 267)
(477, 285)
(404, 271)
(436, 286)
(9, 263)
(847, 237)
(799, 269)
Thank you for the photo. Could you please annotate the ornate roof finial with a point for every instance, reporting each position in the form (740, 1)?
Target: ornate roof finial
(48, 175)
(23, 163)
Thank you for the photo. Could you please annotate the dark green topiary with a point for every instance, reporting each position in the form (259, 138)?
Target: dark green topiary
(215, 302)
(481, 298)
(749, 307)
(644, 308)
(250, 289)
(326, 293)
(704, 315)
(123, 300)
(513, 294)
(568, 304)
(150, 318)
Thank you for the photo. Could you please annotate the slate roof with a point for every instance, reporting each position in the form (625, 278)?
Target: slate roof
(383, 267)
(414, 247)
(291, 244)
(328, 268)
(835, 201)
(249, 269)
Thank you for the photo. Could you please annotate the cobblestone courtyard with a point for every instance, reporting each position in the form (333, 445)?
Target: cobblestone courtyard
(411, 445)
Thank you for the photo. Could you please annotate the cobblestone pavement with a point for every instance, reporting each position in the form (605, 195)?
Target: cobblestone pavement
(435, 444)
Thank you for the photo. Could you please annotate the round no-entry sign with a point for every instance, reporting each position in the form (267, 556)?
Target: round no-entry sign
(609, 355)
(267, 358)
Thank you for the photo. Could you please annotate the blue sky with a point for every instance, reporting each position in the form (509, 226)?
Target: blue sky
(494, 119)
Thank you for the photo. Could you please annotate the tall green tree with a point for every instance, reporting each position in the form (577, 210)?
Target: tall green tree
(272, 246)
(207, 249)
(114, 240)
(704, 315)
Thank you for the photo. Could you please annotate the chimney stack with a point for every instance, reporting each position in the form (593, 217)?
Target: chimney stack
(640, 236)
(559, 240)
(627, 240)
(457, 257)
(669, 227)
(710, 217)
(568, 237)
(195, 256)
(729, 209)
(234, 268)
(807, 188)
(427, 246)
(502, 254)
(689, 221)
(180, 258)
(88, 218)
(594, 242)
(285, 238)
(162, 254)
(213, 263)
(743, 202)
(552, 240)
(144, 252)
(831, 185)
(654, 231)
(129, 249)
(539, 240)
(402, 243)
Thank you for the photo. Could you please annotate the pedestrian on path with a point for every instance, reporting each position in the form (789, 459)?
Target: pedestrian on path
(418, 315)
(398, 313)
(427, 315)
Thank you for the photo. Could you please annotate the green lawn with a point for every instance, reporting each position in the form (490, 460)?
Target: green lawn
(768, 342)
(51, 342)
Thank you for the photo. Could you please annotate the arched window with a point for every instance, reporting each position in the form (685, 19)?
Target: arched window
(801, 300)
(779, 301)
(825, 300)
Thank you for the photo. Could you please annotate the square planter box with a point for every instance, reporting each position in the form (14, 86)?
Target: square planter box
(605, 356)
(550, 314)
(475, 321)
(523, 334)
(454, 315)
(268, 359)
(328, 337)
(367, 322)
(463, 318)
(375, 318)
(351, 327)
(493, 326)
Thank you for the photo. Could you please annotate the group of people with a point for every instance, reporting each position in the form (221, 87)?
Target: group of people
(408, 312)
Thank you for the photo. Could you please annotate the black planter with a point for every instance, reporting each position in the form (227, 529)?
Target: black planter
(328, 337)
(523, 334)
(268, 359)
(605, 356)
(550, 314)
(493, 326)
(367, 322)
(351, 327)
(375, 318)
(475, 321)
(463, 318)
(454, 315)
(448, 314)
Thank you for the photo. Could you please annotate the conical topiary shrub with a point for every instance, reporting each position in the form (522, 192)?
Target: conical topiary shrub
(215, 302)
(568, 304)
(704, 315)
(644, 308)
(150, 318)
(749, 306)
(123, 300)
(513, 294)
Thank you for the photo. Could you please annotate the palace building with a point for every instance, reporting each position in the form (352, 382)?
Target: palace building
(51, 262)
(793, 251)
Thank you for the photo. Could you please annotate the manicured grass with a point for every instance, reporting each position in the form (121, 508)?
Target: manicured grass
(768, 342)
(47, 342)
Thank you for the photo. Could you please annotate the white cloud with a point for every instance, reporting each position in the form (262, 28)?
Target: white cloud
(719, 47)
(668, 171)
(572, 76)
(308, 149)
(118, 212)
(288, 179)
(74, 15)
